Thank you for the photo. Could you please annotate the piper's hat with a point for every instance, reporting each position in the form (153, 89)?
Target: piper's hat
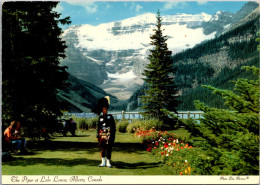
(108, 99)
(102, 103)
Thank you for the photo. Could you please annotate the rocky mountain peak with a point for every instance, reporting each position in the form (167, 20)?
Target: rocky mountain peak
(113, 55)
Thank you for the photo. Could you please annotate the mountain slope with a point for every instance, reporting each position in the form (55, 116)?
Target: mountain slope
(214, 62)
(82, 96)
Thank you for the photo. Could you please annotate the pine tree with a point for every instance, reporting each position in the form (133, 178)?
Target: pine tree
(31, 73)
(160, 90)
(232, 135)
(258, 40)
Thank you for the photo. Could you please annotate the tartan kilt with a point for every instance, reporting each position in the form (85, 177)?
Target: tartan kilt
(104, 136)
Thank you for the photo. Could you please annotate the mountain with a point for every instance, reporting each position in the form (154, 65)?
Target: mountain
(112, 56)
(244, 15)
(82, 96)
(215, 62)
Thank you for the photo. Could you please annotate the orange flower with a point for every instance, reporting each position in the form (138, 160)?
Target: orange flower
(181, 173)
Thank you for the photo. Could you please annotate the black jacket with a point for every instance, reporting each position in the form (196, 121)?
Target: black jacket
(107, 121)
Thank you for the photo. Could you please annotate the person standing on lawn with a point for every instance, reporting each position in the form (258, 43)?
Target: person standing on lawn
(106, 130)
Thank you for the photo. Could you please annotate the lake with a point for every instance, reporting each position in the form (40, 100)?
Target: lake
(136, 115)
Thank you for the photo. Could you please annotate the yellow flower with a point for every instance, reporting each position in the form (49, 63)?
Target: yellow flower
(189, 169)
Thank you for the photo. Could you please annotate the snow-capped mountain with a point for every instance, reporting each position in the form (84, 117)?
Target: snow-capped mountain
(113, 55)
(133, 33)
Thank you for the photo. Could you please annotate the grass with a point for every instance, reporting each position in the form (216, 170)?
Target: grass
(81, 156)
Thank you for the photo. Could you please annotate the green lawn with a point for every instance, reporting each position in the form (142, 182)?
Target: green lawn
(80, 156)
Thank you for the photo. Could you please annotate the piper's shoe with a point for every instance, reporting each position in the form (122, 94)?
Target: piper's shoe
(108, 164)
(103, 163)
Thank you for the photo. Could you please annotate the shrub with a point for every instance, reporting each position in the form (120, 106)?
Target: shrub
(145, 124)
(92, 122)
(122, 125)
(83, 124)
(191, 125)
(86, 123)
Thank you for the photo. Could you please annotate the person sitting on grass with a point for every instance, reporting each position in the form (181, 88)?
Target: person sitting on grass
(12, 135)
(70, 126)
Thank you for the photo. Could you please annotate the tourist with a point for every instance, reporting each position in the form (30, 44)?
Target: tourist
(70, 126)
(12, 135)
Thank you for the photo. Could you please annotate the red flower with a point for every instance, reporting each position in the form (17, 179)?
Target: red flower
(181, 173)
(166, 145)
(156, 143)
(162, 153)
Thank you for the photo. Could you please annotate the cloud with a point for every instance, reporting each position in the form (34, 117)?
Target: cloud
(200, 2)
(58, 8)
(90, 7)
(108, 6)
(170, 5)
(135, 7)
(138, 8)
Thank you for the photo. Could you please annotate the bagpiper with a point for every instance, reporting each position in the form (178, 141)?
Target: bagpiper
(106, 130)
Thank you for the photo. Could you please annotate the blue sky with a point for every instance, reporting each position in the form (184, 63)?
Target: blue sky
(97, 12)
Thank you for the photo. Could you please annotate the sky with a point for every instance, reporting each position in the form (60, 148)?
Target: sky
(98, 12)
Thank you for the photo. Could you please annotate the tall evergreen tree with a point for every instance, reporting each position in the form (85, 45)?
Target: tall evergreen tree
(31, 73)
(160, 90)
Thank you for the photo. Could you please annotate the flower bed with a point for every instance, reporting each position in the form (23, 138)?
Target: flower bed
(168, 148)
